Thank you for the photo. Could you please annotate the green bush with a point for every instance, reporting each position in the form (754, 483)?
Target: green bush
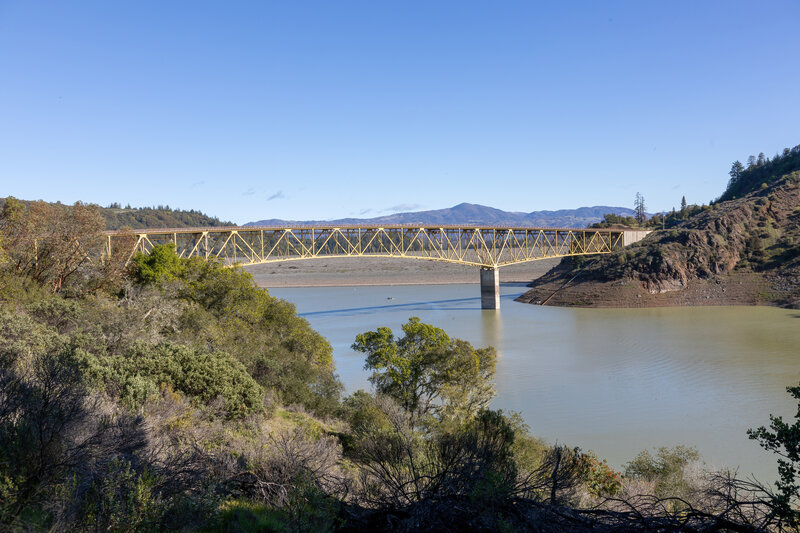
(202, 376)
(227, 312)
(162, 263)
(666, 469)
(121, 500)
(601, 479)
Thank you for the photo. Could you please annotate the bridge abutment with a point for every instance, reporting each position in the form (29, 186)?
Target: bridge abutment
(490, 288)
(631, 236)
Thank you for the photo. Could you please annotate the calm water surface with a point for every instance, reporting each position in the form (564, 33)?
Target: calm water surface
(615, 381)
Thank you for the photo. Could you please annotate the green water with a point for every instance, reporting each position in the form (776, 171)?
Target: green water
(615, 381)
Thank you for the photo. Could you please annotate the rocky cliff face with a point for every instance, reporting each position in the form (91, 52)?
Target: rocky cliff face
(742, 251)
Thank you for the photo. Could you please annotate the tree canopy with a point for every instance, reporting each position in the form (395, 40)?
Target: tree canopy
(783, 439)
(426, 371)
(760, 170)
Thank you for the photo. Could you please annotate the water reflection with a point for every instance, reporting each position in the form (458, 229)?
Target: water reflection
(492, 329)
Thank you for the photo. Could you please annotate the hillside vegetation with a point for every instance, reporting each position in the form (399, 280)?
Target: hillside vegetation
(117, 217)
(760, 171)
(172, 394)
(157, 217)
(743, 249)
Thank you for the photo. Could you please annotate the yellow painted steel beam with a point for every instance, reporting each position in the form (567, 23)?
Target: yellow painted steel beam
(490, 247)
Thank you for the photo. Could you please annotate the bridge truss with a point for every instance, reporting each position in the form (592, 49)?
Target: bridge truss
(485, 247)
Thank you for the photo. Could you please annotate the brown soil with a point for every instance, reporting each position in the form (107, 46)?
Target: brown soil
(735, 289)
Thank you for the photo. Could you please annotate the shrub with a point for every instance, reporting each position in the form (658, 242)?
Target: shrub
(162, 263)
(227, 312)
(202, 376)
(783, 439)
(666, 469)
(122, 499)
(601, 479)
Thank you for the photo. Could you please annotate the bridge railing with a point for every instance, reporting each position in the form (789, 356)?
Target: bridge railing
(489, 247)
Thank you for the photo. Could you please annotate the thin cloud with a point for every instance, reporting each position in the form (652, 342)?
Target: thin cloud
(249, 192)
(277, 196)
(365, 211)
(403, 207)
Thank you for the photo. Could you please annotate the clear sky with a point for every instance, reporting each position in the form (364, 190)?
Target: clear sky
(317, 110)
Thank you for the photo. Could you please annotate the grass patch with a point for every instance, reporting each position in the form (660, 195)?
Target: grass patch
(246, 516)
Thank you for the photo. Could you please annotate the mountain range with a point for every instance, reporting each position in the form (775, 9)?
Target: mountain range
(469, 214)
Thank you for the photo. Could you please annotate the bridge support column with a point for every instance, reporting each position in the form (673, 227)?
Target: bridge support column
(490, 288)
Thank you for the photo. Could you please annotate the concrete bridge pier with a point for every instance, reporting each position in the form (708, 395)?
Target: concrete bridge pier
(490, 288)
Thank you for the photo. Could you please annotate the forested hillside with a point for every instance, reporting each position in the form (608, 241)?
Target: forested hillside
(760, 171)
(742, 249)
(172, 394)
(117, 217)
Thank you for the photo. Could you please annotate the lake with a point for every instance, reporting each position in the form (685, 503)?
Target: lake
(615, 381)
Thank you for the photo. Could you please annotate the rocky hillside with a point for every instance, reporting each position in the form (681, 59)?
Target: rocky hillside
(740, 251)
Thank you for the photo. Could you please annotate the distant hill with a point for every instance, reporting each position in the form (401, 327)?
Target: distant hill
(117, 217)
(474, 214)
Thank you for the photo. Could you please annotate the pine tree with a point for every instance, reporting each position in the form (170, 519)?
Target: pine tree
(639, 208)
(736, 173)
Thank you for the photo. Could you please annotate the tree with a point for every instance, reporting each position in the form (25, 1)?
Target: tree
(50, 243)
(683, 205)
(639, 208)
(161, 263)
(784, 440)
(735, 173)
(426, 371)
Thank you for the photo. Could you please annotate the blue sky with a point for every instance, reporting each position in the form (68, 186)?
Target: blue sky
(316, 110)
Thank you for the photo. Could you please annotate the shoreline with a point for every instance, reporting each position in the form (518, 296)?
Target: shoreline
(310, 285)
(737, 289)
(371, 271)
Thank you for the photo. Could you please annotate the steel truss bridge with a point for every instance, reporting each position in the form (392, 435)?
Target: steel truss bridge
(486, 247)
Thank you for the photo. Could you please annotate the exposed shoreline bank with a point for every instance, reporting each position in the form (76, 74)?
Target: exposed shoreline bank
(736, 289)
(370, 271)
(740, 289)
